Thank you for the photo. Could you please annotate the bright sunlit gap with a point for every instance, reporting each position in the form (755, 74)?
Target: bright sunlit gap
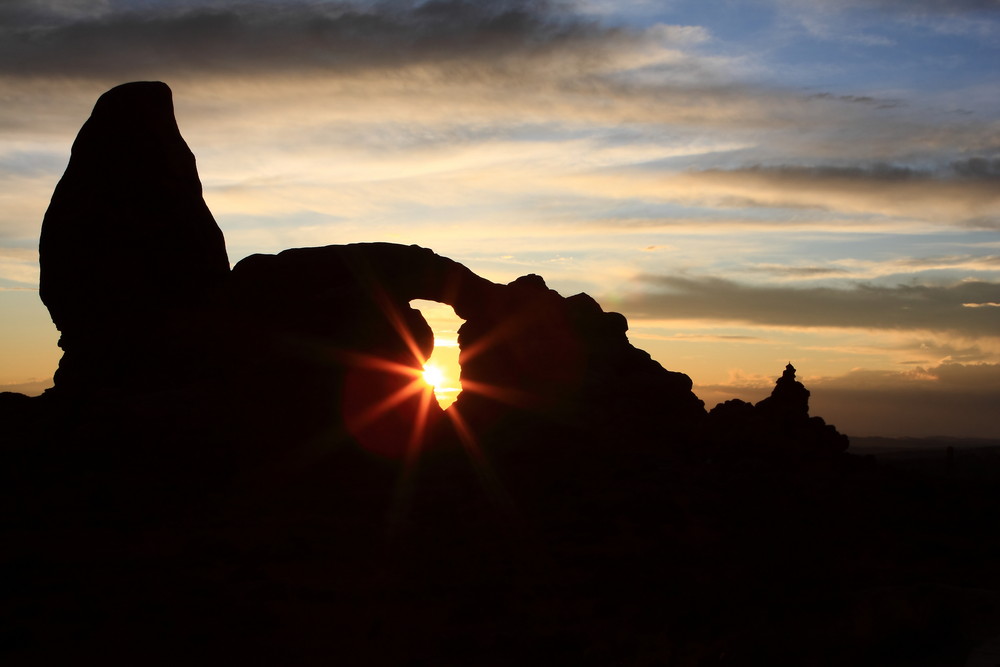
(433, 375)
(441, 370)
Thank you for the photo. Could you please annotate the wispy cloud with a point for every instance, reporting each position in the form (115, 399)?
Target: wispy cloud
(953, 399)
(336, 38)
(698, 337)
(964, 194)
(863, 306)
(903, 6)
(19, 266)
(857, 99)
(797, 272)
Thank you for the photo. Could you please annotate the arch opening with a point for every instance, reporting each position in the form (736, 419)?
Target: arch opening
(442, 370)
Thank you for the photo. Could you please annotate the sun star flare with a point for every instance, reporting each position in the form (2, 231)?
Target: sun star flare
(434, 376)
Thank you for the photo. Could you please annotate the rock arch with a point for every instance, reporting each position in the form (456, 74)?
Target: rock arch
(297, 344)
(525, 350)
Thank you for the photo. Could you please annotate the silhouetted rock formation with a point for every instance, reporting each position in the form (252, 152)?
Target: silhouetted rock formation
(531, 350)
(789, 400)
(135, 275)
(778, 425)
(128, 247)
(332, 326)
(323, 340)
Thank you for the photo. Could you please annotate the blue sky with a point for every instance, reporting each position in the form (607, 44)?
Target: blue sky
(748, 182)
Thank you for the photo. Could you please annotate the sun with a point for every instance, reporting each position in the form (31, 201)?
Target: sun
(433, 375)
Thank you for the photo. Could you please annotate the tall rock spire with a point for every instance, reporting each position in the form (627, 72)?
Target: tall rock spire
(779, 425)
(127, 237)
(789, 399)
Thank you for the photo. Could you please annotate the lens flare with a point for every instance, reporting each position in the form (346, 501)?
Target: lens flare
(433, 375)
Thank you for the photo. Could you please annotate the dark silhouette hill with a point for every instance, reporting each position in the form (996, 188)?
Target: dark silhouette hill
(243, 467)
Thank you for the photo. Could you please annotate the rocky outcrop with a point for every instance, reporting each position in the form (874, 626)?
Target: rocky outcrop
(333, 326)
(531, 350)
(789, 400)
(778, 425)
(128, 247)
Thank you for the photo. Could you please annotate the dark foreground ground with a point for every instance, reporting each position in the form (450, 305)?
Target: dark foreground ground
(123, 546)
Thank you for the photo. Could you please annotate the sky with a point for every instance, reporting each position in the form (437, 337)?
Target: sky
(748, 182)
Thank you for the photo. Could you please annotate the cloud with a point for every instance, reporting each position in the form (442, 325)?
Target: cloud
(950, 399)
(367, 69)
(975, 262)
(858, 9)
(939, 349)
(910, 6)
(528, 61)
(20, 266)
(797, 271)
(903, 307)
(336, 38)
(986, 267)
(873, 23)
(971, 184)
(964, 193)
(857, 99)
(723, 338)
(984, 223)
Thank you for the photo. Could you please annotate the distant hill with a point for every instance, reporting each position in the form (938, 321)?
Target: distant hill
(938, 443)
(32, 388)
